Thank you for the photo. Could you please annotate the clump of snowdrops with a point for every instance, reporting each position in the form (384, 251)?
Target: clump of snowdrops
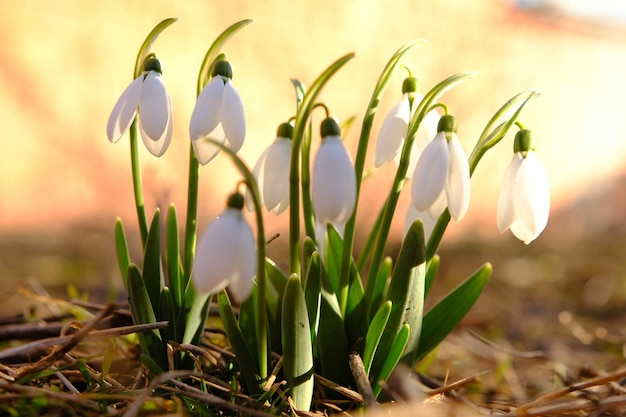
(328, 306)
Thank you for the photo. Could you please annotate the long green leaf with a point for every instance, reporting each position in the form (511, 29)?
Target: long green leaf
(121, 248)
(393, 357)
(406, 293)
(313, 292)
(142, 313)
(381, 284)
(448, 313)
(374, 333)
(172, 257)
(193, 314)
(277, 281)
(297, 347)
(247, 323)
(152, 271)
(432, 267)
(247, 365)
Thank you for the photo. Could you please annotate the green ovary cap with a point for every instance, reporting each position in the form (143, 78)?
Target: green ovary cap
(152, 64)
(523, 141)
(329, 127)
(409, 85)
(235, 201)
(285, 130)
(223, 68)
(447, 123)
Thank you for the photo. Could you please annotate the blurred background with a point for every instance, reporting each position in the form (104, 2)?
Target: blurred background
(63, 64)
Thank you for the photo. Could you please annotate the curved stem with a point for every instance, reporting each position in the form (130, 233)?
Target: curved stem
(359, 165)
(189, 247)
(302, 117)
(261, 316)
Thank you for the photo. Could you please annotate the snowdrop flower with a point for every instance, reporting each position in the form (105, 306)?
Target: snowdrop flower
(272, 171)
(145, 96)
(524, 201)
(441, 175)
(334, 179)
(395, 127)
(226, 253)
(218, 115)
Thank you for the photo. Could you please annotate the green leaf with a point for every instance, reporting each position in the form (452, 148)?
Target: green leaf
(144, 50)
(300, 91)
(432, 267)
(308, 248)
(245, 360)
(152, 272)
(152, 365)
(193, 314)
(332, 341)
(381, 284)
(393, 357)
(374, 333)
(334, 247)
(297, 347)
(406, 293)
(142, 313)
(121, 248)
(449, 312)
(356, 314)
(214, 50)
(167, 313)
(173, 261)
(247, 322)
(277, 281)
(313, 291)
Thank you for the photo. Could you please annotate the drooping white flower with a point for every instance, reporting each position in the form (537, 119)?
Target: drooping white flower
(524, 201)
(272, 171)
(218, 114)
(394, 129)
(441, 177)
(226, 253)
(147, 97)
(334, 179)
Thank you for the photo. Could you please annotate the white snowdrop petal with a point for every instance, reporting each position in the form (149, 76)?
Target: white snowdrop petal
(205, 151)
(436, 209)
(430, 173)
(124, 110)
(154, 109)
(458, 181)
(424, 135)
(276, 174)
(158, 146)
(505, 212)
(207, 111)
(334, 182)
(216, 255)
(246, 262)
(532, 195)
(413, 214)
(258, 172)
(233, 118)
(392, 133)
(520, 231)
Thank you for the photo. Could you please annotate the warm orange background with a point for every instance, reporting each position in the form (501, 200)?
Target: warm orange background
(64, 63)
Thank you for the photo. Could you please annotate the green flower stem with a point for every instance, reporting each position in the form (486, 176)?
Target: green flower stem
(488, 139)
(359, 164)
(302, 118)
(142, 55)
(204, 76)
(189, 247)
(137, 186)
(305, 182)
(392, 200)
(261, 316)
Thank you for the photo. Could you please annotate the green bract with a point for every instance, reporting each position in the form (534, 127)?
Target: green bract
(325, 305)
